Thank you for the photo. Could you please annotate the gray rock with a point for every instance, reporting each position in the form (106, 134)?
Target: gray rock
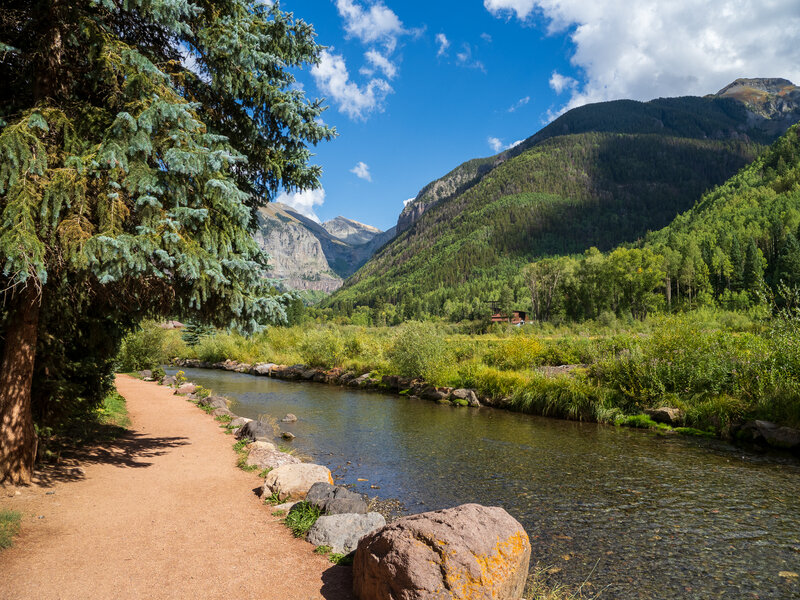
(432, 393)
(308, 374)
(772, 434)
(288, 435)
(343, 532)
(290, 418)
(468, 395)
(214, 402)
(255, 431)
(262, 368)
(147, 375)
(285, 507)
(359, 381)
(335, 499)
(239, 422)
(471, 551)
(665, 414)
(169, 380)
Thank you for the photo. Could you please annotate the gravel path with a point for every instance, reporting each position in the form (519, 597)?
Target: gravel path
(161, 513)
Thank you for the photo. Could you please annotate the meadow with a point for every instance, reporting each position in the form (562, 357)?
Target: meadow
(720, 368)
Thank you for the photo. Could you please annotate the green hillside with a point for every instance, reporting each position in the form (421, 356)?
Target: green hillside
(562, 196)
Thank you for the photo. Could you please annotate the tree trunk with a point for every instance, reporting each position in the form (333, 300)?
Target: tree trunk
(17, 435)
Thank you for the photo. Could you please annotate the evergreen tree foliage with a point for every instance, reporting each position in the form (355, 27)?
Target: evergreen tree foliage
(137, 138)
(194, 331)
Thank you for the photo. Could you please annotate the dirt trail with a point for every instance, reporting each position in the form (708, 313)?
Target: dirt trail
(160, 513)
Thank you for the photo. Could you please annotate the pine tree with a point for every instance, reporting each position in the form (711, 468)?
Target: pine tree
(136, 141)
(753, 268)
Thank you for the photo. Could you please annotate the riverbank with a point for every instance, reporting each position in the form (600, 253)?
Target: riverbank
(162, 512)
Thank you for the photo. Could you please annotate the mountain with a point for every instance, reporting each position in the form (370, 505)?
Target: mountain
(599, 175)
(305, 255)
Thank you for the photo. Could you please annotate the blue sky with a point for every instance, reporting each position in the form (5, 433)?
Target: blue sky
(416, 88)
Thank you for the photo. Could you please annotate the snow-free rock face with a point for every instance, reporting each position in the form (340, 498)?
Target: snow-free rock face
(467, 552)
(305, 255)
(294, 481)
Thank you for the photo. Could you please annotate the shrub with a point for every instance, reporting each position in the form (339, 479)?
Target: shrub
(302, 516)
(323, 348)
(517, 352)
(142, 349)
(418, 351)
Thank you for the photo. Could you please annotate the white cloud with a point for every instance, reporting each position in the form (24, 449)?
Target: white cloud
(465, 59)
(651, 48)
(497, 144)
(374, 24)
(486, 38)
(519, 104)
(361, 170)
(522, 8)
(560, 82)
(303, 201)
(443, 43)
(355, 101)
(407, 202)
(380, 62)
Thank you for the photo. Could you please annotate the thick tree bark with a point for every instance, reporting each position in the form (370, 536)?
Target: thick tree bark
(17, 435)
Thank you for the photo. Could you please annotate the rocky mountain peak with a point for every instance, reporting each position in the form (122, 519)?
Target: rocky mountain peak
(350, 231)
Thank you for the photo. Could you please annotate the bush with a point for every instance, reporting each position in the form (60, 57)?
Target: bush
(142, 349)
(418, 351)
(517, 352)
(323, 348)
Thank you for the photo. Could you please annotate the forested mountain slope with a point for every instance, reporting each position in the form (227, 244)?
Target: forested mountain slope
(559, 194)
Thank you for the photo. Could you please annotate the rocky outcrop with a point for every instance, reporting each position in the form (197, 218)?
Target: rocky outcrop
(335, 499)
(467, 552)
(294, 481)
(305, 255)
(343, 532)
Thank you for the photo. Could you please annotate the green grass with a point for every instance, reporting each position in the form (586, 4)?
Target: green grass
(9, 527)
(240, 448)
(114, 411)
(273, 499)
(341, 559)
(300, 519)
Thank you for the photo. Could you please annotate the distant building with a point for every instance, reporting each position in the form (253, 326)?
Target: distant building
(518, 317)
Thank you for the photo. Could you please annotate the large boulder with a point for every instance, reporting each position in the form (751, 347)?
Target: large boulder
(343, 532)
(214, 402)
(294, 481)
(772, 434)
(255, 431)
(335, 499)
(665, 414)
(147, 375)
(262, 368)
(265, 455)
(467, 552)
(169, 380)
(223, 412)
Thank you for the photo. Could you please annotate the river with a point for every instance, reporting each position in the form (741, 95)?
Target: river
(630, 514)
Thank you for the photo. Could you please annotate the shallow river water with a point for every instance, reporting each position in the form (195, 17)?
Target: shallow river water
(632, 514)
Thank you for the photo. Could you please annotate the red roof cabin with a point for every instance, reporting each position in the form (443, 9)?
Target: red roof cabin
(518, 317)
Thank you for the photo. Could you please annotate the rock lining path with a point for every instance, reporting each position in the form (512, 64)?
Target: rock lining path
(162, 512)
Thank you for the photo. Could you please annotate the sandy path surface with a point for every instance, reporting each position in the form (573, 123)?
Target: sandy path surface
(160, 513)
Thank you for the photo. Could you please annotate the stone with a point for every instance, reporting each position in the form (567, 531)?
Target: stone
(294, 481)
(343, 532)
(262, 368)
(665, 414)
(359, 381)
(468, 395)
(222, 412)
(289, 418)
(186, 388)
(288, 435)
(214, 402)
(335, 499)
(147, 375)
(467, 552)
(772, 434)
(266, 456)
(308, 374)
(243, 368)
(285, 507)
(169, 380)
(239, 422)
(255, 431)
(432, 393)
